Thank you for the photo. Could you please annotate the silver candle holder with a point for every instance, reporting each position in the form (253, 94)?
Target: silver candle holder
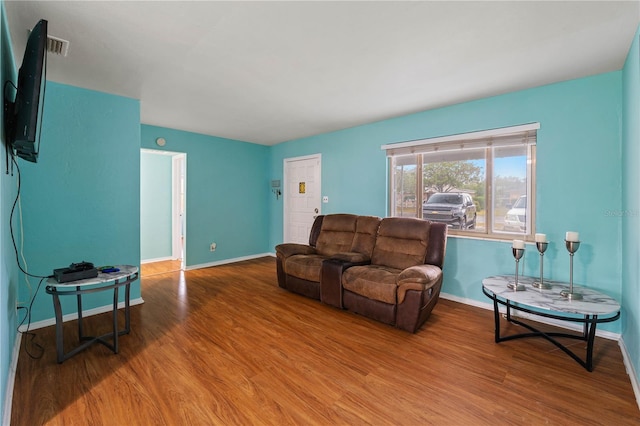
(514, 285)
(542, 247)
(572, 247)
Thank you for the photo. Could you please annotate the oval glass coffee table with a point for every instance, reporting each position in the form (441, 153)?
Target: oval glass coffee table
(593, 309)
(103, 282)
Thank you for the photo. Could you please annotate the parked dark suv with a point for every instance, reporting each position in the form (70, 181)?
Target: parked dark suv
(456, 209)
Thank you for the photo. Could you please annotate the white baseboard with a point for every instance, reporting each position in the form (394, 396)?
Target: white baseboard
(631, 371)
(73, 316)
(159, 259)
(11, 379)
(227, 261)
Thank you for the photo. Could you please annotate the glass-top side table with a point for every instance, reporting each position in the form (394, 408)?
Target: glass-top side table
(103, 282)
(593, 309)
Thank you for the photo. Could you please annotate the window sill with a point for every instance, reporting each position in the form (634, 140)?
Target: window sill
(496, 238)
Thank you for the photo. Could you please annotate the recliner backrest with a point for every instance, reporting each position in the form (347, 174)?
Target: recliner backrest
(315, 230)
(402, 242)
(336, 234)
(437, 245)
(366, 233)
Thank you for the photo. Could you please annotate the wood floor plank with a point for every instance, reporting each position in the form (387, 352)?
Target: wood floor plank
(161, 267)
(226, 346)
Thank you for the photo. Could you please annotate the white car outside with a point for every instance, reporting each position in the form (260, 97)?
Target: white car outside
(516, 218)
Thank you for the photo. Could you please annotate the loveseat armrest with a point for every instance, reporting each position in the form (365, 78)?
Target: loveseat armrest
(418, 292)
(331, 276)
(421, 278)
(289, 249)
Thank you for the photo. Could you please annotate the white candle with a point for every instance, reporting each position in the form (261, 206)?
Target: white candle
(572, 236)
(541, 238)
(518, 244)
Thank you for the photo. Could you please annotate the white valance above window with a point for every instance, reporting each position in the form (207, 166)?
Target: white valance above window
(525, 134)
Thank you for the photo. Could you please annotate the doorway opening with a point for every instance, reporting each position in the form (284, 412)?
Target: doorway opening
(163, 224)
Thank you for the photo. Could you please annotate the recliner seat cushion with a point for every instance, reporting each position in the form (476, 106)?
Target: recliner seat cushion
(372, 281)
(305, 266)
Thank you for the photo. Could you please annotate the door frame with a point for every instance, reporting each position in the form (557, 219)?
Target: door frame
(178, 217)
(285, 169)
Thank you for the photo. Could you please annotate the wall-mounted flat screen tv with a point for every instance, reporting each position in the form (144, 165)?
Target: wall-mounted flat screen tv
(23, 116)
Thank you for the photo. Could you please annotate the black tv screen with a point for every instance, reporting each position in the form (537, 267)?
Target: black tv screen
(24, 136)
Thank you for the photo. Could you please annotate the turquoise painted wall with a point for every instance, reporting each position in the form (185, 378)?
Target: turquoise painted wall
(8, 268)
(578, 178)
(81, 201)
(631, 203)
(227, 188)
(155, 206)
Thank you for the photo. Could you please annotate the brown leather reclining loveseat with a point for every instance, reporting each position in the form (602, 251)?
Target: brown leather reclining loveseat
(387, 269)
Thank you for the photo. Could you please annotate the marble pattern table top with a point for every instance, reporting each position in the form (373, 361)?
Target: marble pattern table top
(593, 302)
(125, 271)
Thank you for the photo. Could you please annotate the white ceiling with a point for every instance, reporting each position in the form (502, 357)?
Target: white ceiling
(268, 72)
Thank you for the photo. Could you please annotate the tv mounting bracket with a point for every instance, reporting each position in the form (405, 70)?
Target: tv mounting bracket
(9, 127)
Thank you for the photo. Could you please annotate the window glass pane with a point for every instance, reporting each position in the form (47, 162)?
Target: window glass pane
(510, 190)
(403, 197)
(445, 178)
(484, 186)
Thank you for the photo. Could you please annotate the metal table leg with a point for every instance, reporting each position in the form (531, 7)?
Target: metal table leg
(115, 320)
(59, 335)
(80, 327)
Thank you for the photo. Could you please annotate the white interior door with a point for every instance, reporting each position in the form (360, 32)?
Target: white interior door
(302, 199)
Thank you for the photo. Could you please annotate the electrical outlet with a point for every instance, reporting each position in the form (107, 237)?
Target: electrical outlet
(213, 246)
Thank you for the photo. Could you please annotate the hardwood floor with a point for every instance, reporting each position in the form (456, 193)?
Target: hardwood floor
(225, 345)
(161, 267)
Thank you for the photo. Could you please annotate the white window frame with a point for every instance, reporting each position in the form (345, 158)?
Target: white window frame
(525, 134)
